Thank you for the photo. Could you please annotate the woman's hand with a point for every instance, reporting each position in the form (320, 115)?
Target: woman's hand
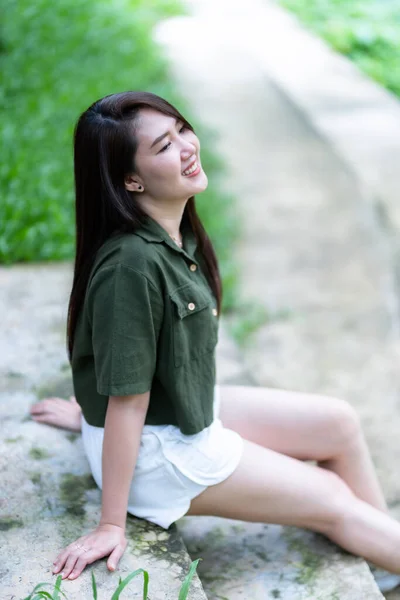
(103, 541)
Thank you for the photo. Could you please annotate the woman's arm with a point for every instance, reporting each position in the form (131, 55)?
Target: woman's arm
(122, 431)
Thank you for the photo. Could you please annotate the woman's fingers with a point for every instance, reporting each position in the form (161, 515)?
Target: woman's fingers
(60, 561)
(58, 413)
(86, 558)
(102, 542)
(62, 558)
(70, 560)
(115, 556)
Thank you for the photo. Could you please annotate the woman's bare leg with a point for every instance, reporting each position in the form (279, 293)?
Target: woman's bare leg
(306, 427)
(58, 413)
(269, 487)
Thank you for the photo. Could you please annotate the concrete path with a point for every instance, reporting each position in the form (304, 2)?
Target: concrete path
(312, 248)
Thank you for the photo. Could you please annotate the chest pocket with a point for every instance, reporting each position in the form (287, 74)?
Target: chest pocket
(194, 323)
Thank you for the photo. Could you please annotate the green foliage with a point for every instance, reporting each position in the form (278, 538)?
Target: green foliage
(188, 580)
(367, 31)
(38, 593)
(57, 58)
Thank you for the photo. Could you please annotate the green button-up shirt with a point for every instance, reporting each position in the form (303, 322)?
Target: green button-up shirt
(149, 322)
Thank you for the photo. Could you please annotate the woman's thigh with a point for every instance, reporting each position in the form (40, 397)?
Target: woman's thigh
(303, 426)
(269, 487)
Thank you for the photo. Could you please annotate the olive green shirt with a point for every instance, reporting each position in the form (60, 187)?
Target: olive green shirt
(149, 322)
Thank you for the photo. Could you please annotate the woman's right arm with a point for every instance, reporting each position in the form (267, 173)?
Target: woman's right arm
(122, 432)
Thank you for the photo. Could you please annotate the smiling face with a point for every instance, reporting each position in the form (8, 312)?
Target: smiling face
(167, 160)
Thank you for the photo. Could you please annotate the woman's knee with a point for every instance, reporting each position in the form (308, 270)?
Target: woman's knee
(343, 421)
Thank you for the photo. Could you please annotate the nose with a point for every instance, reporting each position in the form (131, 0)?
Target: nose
(188, 148)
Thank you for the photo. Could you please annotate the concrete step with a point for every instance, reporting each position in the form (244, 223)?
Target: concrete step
(48, 497)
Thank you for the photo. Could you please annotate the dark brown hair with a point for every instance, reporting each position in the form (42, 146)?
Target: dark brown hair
(105, 145)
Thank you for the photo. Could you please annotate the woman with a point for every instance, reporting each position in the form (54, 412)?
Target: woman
(162, 439)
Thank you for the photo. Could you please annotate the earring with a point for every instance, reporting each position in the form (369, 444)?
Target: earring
(139, 187)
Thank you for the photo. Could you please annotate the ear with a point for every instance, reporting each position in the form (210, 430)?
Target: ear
(133, 183)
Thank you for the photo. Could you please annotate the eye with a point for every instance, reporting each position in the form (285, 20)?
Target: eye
(164, 148)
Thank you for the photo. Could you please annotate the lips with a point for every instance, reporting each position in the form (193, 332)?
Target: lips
(187, 171)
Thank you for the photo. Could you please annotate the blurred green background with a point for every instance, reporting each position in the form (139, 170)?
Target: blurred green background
(366, 31)
(56, 59)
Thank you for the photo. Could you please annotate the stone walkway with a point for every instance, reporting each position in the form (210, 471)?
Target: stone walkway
(312, 248)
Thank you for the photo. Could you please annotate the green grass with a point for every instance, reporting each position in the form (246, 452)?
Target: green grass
(38, 593)
(366, 31)
(56, 58)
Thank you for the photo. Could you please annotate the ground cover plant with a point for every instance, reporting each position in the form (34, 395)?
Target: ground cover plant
(57, 594)
(56, 59)
(366, 31)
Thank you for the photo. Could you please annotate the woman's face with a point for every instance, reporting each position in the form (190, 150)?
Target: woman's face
(167, 159)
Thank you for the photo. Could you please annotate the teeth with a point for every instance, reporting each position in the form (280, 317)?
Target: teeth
(191, 170)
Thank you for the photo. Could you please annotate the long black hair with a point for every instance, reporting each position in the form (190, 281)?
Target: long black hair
(105, 145)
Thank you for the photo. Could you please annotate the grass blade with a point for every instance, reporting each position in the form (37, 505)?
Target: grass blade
(128, 579)
(94, 587)
(35, 589)
(188, 580)
(57, 588)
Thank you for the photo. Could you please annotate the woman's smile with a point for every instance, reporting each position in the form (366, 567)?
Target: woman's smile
(193, 170)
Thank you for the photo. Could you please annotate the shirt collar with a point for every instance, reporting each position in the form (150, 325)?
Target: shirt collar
(152, 231)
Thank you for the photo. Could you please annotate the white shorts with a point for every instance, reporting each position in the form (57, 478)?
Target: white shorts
(172, 468)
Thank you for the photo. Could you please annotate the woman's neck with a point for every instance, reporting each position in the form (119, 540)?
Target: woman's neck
(169, 218)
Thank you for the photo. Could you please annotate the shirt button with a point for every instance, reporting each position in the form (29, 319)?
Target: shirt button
(214, 312)
(191, 306)
(193, 267)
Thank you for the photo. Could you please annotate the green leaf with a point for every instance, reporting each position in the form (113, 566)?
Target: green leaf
(188, 580)
(94, 587)
(128, 579)
(35, 591)
(57, 589)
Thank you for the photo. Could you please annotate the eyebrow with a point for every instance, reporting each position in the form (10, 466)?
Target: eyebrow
(163, 135)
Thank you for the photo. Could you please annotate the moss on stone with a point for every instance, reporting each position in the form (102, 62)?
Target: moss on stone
(38, 453)
(36, 478)
(164, 545)
(262, 555)
(14, 374)
(72, 436)
(7, 523)
(13, 440)
(72, 492)
(275, 593)
(310, 562)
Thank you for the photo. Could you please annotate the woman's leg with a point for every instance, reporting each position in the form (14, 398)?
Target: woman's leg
(306, 427)
(269, 487)
(58, 412)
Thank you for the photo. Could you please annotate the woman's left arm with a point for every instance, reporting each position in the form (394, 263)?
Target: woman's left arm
(122, 432)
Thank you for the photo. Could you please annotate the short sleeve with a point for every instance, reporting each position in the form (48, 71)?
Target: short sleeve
(125, 312)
